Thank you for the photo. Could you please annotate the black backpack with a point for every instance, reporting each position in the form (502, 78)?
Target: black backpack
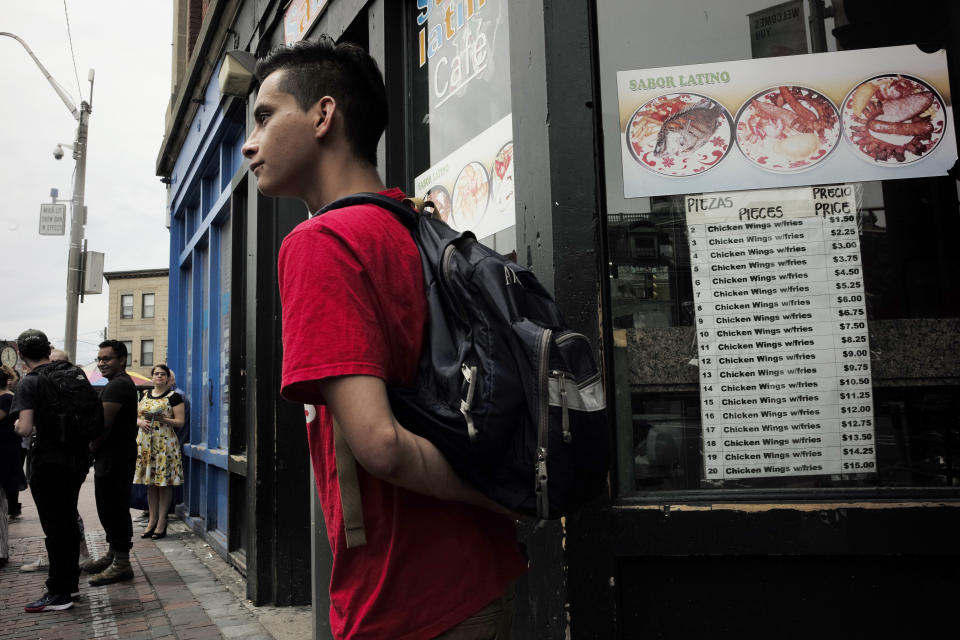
(512, 398)
(69, 412)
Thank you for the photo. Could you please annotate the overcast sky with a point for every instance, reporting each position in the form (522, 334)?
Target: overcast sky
(128, 44)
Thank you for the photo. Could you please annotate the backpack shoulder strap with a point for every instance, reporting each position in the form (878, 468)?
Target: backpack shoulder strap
(350, 502)
(407, 214)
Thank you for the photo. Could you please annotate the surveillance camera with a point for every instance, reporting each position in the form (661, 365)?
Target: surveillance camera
(58, 152)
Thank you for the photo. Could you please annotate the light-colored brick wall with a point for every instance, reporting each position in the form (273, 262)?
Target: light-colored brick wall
(138, 328)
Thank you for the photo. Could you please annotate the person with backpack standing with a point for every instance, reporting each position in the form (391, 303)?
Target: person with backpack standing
(438, 556)
(114, 462)
(56, 407)
(41, 562)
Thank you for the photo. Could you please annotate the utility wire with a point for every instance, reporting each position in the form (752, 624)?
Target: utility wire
(72, 54)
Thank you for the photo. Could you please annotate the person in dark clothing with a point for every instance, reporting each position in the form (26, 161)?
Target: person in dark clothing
(14, 508)
(115, 458)
(12, 481)
(55, 472)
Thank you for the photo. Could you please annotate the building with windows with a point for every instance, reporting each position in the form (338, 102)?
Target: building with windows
(137, 315)
(763, 263)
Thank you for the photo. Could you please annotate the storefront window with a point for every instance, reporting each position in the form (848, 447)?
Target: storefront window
(460, 121)
(779, 228)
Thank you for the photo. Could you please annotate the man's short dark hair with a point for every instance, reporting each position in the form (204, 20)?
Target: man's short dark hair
(347, 73)
(33, 345)
(119, 349)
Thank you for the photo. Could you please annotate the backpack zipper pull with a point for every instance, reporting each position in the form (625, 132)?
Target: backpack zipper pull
(470, 375)
(564, 412)
(543, 503)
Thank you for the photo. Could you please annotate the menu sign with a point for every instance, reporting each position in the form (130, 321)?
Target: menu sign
(782, 338)
(869, 114)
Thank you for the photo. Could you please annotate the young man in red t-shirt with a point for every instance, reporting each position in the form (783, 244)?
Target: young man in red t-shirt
(440, 558)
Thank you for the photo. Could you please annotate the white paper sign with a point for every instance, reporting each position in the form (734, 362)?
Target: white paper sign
(53, 219)
(781, 323)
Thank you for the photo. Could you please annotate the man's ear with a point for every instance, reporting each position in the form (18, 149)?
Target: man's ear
(323, 112)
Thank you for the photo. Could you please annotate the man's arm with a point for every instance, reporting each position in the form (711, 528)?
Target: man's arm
(110, 411)
(24, 424)
(388, 451)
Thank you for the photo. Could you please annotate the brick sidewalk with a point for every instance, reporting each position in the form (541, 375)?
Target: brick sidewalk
(157, 604)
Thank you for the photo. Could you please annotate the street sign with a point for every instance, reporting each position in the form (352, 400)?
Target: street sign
(53, 219)
(92, 272)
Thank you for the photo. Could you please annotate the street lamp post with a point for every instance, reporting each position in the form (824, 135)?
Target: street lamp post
(77, 217)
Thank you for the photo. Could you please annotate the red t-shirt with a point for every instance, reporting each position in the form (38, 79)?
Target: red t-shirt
(351, 283)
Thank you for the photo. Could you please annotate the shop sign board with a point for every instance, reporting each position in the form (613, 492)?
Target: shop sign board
(473, 186)
(463, 51)
(868, 114)
(782, 341)
(299, 16)
(778, 30)
(53, 219)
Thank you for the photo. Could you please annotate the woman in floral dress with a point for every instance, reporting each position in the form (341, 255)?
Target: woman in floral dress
(159, 463)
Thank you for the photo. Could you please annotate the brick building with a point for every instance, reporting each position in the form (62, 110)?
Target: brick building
(137, 315)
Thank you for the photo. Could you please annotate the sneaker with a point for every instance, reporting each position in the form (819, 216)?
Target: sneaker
(50, 602)
(97, 565)
(83, 559)
(36, 565)
(117, 571)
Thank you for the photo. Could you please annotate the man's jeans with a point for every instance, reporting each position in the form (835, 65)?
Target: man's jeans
(55, 490)
(493, 622)
(113, 477)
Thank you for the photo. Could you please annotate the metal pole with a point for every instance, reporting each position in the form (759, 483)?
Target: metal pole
(75, 257)
(818, 33)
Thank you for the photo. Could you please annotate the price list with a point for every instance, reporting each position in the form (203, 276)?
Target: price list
(781, 327)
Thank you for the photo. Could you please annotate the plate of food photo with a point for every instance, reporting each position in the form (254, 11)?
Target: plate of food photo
(471, 194)
(440, 198)
(893, 119)
(787, 128)
(679, 134)
(502, 179)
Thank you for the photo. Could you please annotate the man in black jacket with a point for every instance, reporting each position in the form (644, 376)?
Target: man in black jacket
(115, 459)
(55, 472)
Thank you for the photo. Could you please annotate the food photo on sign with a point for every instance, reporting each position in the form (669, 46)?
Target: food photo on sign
(787, 128)
(894, 119)
(874, 114)
(680, 134)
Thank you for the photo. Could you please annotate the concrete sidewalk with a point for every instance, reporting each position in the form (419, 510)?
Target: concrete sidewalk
(181, 590)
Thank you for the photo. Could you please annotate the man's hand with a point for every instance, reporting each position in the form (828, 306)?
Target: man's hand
(24, 423)
(388, 451)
